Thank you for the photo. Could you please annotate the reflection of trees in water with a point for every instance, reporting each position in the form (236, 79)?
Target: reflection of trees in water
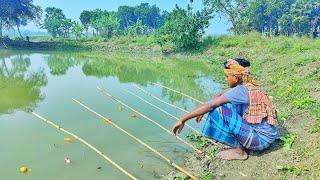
(19, 89)
(178, 74)
(128, 71)
(60, 63)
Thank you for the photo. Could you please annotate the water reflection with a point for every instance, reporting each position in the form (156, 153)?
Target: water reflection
(19, 88)
(23, 85)
(177, 74)
(60, 63)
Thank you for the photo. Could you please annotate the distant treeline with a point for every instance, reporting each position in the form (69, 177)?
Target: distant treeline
(271, 17)
(141, 19)
(182, 27)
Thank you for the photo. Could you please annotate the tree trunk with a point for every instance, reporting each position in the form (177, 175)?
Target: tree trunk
(0, 28)
(5, 67)
(314, 27)
(18, 28)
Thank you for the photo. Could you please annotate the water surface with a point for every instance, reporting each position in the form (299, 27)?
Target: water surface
(46, 82)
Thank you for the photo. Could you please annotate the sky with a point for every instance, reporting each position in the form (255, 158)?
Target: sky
(73, 8)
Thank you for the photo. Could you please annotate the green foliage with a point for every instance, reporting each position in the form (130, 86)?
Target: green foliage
(281, 117)
(126, 16)
(233, 10)
(202, 141)
(149, 15)
(85, 18)
(211, 152)
(207, 176)
(291, 169)
(286, 24)
(138, 20)
(288, 141)
(180, 178)
(315, 128)
(54, 21)
(77, 29)
(106, 24)
(17, 13)
(59, 26)
(137, 29)
(184, 28)
(270, 17)
(66, 27)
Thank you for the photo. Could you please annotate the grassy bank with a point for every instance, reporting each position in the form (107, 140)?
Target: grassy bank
(115, 44)
(288, 69)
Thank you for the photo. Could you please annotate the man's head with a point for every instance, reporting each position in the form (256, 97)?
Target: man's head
(236, 71)
(241, 61)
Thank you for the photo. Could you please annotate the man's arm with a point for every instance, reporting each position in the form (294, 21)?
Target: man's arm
(202, 109)
(220, 93)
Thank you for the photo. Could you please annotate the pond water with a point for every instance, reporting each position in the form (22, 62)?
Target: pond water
(45, 83)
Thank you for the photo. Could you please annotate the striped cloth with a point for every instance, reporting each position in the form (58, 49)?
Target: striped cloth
(225, 125)
(260, 106)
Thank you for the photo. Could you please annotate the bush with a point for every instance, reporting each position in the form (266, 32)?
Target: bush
(184, 28)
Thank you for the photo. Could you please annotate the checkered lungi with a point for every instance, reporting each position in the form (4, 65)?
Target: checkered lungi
(225, 125)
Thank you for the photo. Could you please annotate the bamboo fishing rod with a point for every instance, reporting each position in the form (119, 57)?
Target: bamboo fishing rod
(87, 144)
(183, 94)
(136, 139)
(152, 95)
(167, 113)
(178, 92)
(147, 118)
(160, 109)
(172, 105)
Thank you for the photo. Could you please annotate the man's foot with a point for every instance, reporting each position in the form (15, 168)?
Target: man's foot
(233, 154)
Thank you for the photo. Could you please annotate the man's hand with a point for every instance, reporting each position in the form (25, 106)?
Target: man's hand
(177, 127)
(199, 118)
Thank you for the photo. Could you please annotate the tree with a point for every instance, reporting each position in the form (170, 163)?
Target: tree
(285, 22)
(306, 17)
(184, 28)
(234, 10)
(270, 17)
(66, 27)
(105, 23)
(110, 25)
(17, 13)
(126, 16)
(77, 29)
(54, 21)
(137, 29)
(85, 18)
(149, 15)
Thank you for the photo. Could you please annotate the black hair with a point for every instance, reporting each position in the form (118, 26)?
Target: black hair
(242, 62)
